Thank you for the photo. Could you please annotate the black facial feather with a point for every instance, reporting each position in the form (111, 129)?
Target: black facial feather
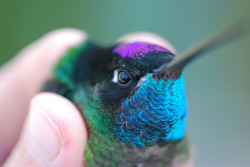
(96, 66)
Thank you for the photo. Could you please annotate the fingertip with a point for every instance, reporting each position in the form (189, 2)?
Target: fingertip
(46, 51)
(146, 37)
(56, 43)
(38, 59)
(54, 134)
(70, 123)
(64, 114)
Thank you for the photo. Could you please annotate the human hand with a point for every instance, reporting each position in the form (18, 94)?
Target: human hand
(51, 132)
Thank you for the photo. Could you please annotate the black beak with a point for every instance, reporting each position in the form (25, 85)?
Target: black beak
(220, 37)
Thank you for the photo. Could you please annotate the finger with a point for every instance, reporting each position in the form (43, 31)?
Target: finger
(146, 37)
(183, 161)
(24, 76)
(54, 135)
(157, 40)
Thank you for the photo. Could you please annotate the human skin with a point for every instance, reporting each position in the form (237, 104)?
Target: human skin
(45, 129)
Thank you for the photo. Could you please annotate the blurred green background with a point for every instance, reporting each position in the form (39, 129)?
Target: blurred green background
(217, 85)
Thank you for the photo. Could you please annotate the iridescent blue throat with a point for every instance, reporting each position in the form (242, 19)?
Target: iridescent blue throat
(155, 113)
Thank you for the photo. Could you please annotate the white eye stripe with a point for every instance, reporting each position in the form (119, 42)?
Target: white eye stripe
(115, 78)
(140, 81)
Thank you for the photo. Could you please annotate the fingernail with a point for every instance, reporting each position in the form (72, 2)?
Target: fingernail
(42, 139)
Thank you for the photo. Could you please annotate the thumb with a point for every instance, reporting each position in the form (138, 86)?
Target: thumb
(54, 134)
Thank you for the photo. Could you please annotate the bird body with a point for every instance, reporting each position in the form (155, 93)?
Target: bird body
(132, 97)
(135, 117)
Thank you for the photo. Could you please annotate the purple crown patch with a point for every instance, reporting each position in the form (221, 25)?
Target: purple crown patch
(136, 49)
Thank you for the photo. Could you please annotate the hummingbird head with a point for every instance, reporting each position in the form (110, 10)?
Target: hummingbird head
(135, 100)
(154, 109)
(143, 106)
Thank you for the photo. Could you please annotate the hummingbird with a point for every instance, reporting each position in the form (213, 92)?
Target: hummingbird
(132, 97)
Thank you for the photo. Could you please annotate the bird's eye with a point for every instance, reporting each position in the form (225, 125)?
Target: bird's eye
(124, 78)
